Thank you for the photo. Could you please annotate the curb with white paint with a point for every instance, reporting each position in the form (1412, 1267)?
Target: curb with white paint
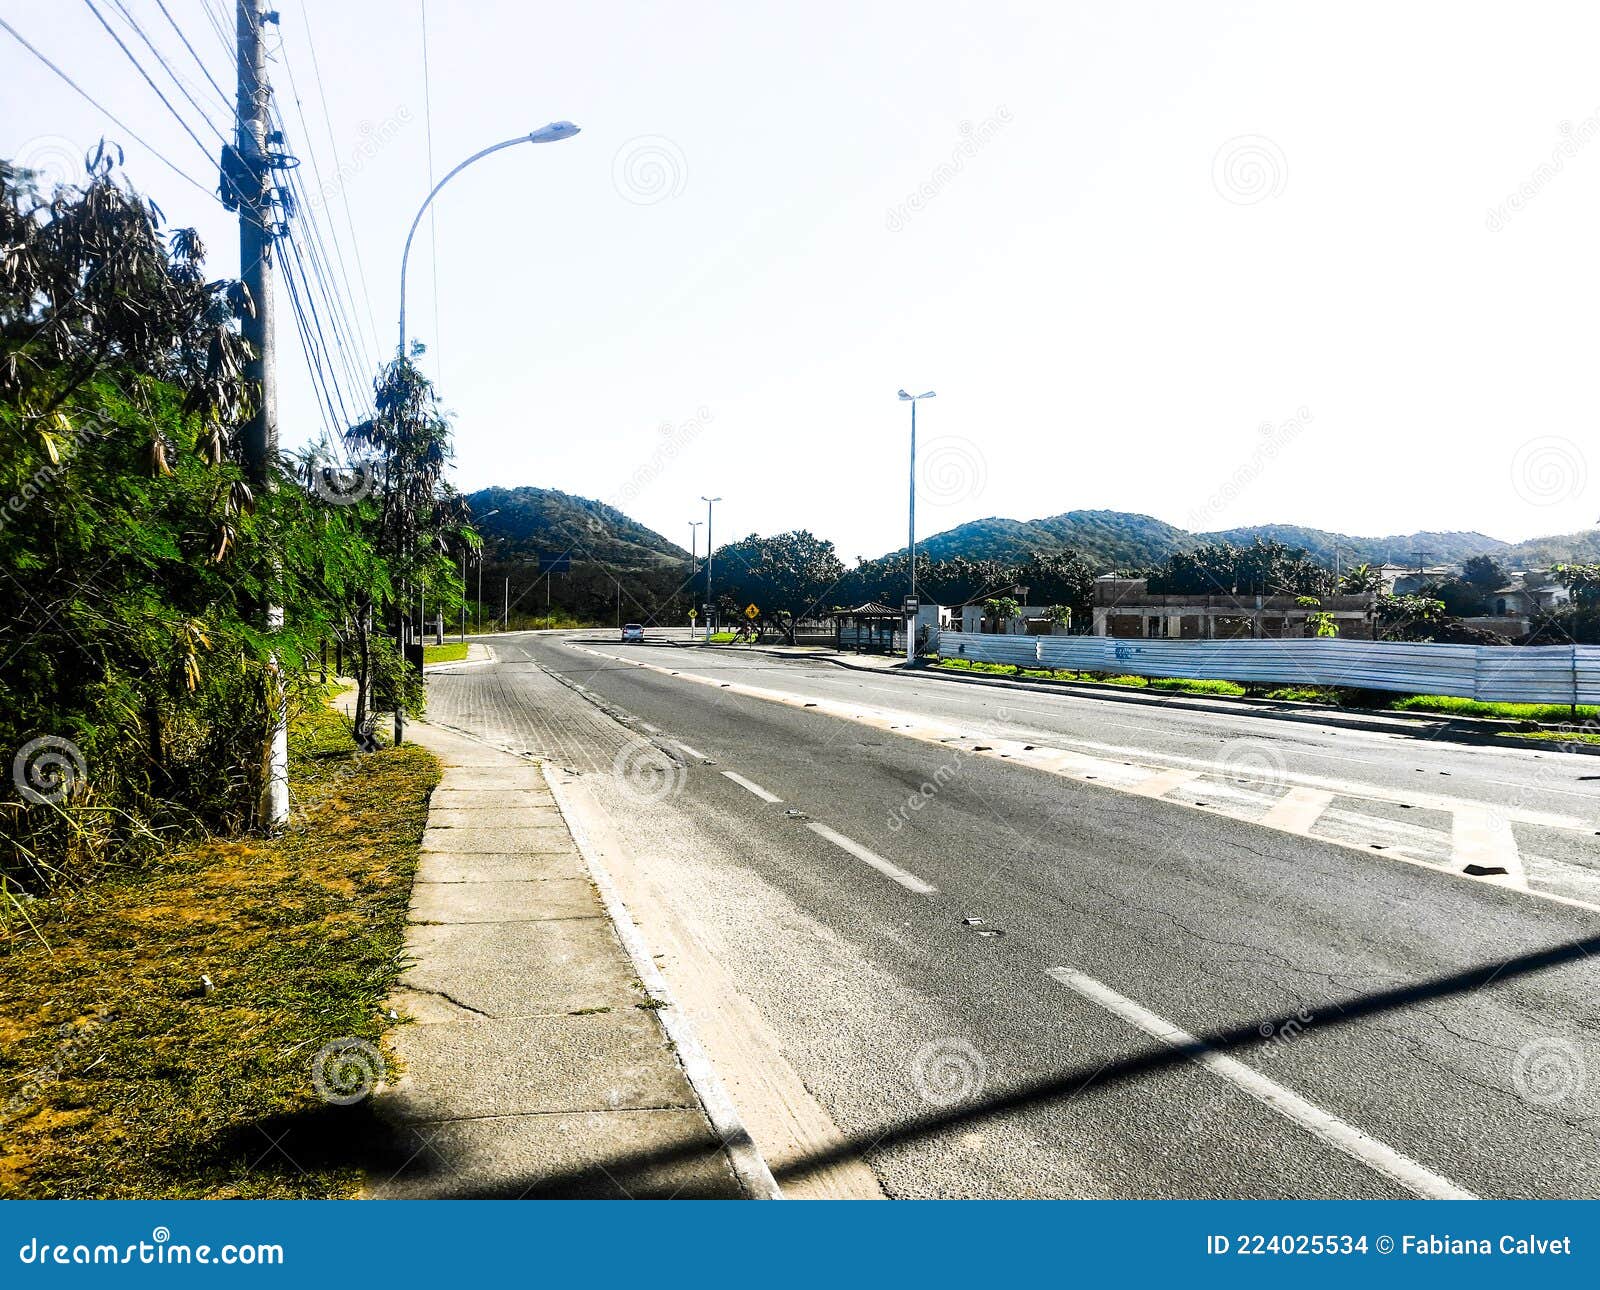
(748, 1164)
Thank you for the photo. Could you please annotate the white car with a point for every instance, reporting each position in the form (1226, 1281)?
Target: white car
(632, 633)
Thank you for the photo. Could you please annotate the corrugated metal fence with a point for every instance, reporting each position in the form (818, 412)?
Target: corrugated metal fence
(1506, 674)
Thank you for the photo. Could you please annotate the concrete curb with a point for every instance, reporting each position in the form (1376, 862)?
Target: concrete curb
(749, 1166)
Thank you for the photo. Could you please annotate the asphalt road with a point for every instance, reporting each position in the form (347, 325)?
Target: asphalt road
(978, 920)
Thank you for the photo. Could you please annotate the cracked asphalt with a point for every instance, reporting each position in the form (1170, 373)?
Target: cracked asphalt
(1409, 1004)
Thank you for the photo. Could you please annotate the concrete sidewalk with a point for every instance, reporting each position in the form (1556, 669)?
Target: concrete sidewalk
(537, 1065)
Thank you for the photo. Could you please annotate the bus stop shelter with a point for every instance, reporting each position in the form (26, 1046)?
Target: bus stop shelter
(868, 629)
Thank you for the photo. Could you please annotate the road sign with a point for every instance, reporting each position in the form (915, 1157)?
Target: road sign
(910, 606)
(751, 612)
(555, 564)
(693, 614)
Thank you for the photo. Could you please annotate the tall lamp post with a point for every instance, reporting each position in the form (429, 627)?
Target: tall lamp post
(544, 134)
(911, 520)
(694, 559)
(709, 501)
(479, 615)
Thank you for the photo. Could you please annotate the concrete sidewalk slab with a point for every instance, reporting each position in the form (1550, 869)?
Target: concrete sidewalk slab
(535, 1063)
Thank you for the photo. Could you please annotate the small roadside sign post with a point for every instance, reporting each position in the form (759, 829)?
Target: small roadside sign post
(752, 613)
(910, 607)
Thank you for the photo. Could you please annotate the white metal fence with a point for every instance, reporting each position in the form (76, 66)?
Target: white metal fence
(1497, 673)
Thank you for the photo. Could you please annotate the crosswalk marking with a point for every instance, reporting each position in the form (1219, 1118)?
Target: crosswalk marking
(1298, 810)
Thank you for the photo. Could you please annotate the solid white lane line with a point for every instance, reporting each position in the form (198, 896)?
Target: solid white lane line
(1332, 1130)
(887, 868)
(745, 784)
(645, 725)
(698, 756)
(1297, 810)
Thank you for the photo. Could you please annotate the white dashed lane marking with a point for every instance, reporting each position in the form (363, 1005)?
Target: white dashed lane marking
(1335, 1132)
(887, 868)
(749, 787)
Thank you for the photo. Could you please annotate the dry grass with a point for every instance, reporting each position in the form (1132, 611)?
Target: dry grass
(123, 1075)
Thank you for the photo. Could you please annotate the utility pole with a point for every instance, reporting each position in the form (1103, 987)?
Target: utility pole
(245, 180)
(710, 612)
(694, 559)
(505, 623)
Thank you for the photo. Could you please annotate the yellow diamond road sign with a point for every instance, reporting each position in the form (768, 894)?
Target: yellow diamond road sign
(751, 612)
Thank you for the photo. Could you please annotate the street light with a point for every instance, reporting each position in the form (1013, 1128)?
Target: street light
(479, 614)
(911, 520)
(709, 501)
(545, 134)
(694, 559)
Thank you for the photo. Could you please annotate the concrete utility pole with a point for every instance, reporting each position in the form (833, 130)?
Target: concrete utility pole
(260, 439)
(694, 559)
(911, 520)
(710, 612)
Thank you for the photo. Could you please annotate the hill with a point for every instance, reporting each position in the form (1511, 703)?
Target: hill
(535, 522)
(619, 568)
(1112, 540)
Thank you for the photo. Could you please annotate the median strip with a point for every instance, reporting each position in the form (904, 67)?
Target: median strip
(1335, 1132)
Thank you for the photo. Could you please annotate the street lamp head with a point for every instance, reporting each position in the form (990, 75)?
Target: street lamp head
(912, 398)
(704, 498)
(555, 130)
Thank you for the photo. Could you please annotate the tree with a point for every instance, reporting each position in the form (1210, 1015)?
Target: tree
(138, 557)
(1484, 573)
(787, 577)
(1361, 580)
(417, 524)
(1000, 610)
(1265, 568)
(1407, 618)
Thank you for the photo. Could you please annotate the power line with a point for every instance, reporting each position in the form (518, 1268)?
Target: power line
(198, 61)
(433, 227)
(108, 113)
(139, 67)
(177, 80)
(344, 193)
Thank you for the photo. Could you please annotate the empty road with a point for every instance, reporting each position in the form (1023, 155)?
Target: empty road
(950, 940)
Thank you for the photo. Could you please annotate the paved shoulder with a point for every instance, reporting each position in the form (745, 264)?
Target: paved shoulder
(536, 1065)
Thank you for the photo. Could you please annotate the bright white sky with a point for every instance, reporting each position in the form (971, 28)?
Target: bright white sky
(1107, 316)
